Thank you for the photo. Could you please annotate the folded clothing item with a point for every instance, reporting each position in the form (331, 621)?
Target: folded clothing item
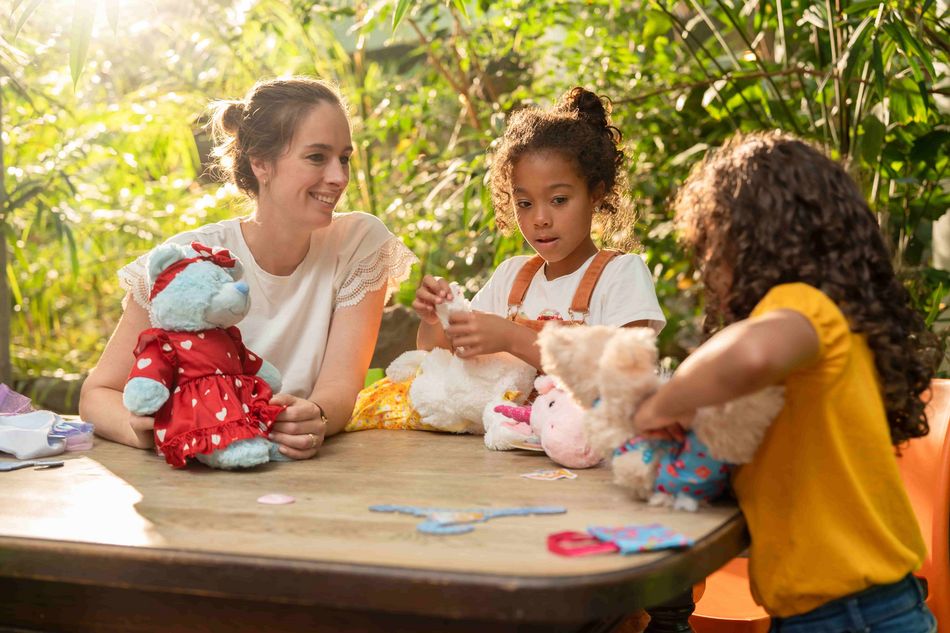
(41, 434)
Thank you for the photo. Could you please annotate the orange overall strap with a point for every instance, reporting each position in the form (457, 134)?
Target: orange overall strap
(520, 286)
(580, 304)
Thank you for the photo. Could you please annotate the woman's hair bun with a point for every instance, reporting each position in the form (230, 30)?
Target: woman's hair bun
(232, 115)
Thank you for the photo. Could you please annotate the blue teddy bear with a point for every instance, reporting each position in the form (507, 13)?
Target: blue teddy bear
(208, 393)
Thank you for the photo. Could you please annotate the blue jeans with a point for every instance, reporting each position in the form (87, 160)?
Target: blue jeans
(896, 608)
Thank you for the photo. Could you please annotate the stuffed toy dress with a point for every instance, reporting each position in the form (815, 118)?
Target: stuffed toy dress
(217, 398)
(208, 393)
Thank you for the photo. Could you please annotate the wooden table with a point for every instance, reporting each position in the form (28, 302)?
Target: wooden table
(116, 540)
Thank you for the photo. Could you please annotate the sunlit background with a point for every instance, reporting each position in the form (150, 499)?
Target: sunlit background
(103, 146)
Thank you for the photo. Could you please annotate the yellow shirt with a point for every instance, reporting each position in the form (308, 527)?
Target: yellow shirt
(823, 498)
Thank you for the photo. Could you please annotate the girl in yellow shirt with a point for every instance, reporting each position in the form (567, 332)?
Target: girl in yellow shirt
(800, 291)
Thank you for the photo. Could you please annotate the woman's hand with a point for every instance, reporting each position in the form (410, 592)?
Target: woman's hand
(430, 293)
(299, 429)
(474, 333)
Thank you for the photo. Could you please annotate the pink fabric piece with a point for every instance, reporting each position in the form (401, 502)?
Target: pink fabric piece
(13, 403)
(275, 499)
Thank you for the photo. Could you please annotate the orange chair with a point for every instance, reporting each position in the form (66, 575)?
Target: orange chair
(727, 605)
(925, 468)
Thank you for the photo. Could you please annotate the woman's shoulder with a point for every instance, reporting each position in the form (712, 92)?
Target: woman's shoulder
(357, 223)
(224, 233)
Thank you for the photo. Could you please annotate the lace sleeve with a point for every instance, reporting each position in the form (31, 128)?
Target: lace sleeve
(387, 266)
(133, 278)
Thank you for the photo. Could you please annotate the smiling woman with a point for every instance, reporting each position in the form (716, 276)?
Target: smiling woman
(318, 279)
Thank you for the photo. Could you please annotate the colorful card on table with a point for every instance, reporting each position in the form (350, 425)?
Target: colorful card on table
(641, 538)
(550, 474)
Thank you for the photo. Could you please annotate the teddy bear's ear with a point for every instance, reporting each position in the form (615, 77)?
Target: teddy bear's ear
(627, 371)
(572, 354)
(544, 383)
(164, 256)
(236, 271)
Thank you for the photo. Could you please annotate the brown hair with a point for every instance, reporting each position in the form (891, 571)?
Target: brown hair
(262, 124)
(767, 209)
(579, 129)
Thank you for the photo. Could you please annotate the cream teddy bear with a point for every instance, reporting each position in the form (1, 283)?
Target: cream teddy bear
(609, 371)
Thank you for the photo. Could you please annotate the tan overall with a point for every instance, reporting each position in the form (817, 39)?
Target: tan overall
(580, 304)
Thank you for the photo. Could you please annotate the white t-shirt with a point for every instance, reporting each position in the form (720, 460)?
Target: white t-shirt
(623, 294)
(289, 320)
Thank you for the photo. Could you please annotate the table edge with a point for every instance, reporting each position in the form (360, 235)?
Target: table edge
(394, 589)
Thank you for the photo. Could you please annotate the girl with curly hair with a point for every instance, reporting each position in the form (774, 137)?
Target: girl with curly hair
(800, 291)
(553, 173)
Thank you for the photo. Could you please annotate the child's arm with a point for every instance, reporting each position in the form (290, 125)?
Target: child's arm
(431, 292)
(475, 333)
(741, 359)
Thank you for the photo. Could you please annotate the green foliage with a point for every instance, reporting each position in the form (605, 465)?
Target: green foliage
(100, 167)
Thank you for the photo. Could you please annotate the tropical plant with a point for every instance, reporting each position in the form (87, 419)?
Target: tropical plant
(102, 164)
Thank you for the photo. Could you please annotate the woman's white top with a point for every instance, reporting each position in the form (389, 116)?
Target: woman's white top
(623, 294)
(289, 320)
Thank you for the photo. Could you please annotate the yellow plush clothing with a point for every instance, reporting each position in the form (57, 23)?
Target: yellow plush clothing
(823, 498)
(385, 405)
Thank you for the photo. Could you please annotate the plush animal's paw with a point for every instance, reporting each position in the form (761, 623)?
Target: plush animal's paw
(240, 454)
(275, 454)
(686, 503)
(732, 432)
(144, 396)
(635, 474)
(405, 366)
(661, 500)
(458, 304)
(269, 374)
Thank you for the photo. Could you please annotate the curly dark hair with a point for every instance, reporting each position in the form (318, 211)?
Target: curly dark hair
(767, 209)
(579, 129)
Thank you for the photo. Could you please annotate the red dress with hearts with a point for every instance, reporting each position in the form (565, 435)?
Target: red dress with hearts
(216, 398)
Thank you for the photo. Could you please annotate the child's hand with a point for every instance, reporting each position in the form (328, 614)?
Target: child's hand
(475, 333)
(144, 428)
(652, 422)
(430, 293)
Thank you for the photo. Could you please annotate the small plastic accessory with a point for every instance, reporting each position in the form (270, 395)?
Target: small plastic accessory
(578, 544)
(78, 435)
(449, 521)
(39, 465)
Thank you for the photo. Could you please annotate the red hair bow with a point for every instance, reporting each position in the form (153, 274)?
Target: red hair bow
(217, 255)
